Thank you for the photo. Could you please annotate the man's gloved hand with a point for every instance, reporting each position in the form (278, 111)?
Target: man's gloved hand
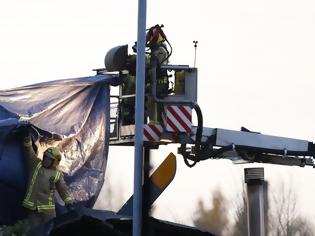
(24, 128)
(70, 207)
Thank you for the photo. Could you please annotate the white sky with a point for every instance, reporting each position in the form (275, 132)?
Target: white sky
(256, 69)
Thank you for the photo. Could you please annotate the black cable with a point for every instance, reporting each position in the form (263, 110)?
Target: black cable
(190, 165)
(199, 129)
(185, 154)
(171, 51)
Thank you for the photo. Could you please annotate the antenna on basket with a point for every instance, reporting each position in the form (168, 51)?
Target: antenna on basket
(195, 46)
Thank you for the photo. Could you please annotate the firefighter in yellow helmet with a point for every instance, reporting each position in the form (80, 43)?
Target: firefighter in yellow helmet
(44, 180)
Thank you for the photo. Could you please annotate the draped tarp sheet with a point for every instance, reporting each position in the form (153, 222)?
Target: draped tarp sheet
(72, 114)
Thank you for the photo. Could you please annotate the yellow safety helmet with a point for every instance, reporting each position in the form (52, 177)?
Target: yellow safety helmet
(54, 154)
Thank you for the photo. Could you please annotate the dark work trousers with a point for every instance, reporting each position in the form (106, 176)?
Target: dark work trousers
(37, 218)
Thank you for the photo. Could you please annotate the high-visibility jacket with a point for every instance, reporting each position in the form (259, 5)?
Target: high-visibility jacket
(42, 183)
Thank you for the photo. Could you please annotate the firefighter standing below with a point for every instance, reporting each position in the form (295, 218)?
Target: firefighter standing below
(44, 179)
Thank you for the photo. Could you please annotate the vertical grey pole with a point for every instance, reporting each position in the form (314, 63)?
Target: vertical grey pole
(139, 117)
(254, 177)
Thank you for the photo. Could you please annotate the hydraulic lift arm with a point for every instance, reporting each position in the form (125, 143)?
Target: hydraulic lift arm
(249, 146)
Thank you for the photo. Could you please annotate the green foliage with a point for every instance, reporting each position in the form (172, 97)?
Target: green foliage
(20, 228)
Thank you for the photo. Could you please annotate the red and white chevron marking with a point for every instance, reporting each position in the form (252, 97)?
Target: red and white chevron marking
(152, 132)
(177, 118)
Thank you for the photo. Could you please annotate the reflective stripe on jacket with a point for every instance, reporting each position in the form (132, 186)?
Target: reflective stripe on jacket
(43, 182)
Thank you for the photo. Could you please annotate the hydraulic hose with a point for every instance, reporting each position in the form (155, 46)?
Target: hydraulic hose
(198, 148)
(170, 53)
(199, 127)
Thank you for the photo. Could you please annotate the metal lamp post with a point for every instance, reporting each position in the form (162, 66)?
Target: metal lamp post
(139, 117)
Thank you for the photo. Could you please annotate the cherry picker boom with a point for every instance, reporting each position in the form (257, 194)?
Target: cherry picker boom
(171, 96)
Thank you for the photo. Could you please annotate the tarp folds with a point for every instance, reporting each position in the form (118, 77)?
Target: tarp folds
(71, 114)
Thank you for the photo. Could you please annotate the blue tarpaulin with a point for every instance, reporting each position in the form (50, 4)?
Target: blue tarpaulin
(72, 114)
